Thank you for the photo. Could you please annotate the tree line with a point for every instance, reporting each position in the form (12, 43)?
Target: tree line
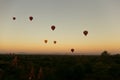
(60, 67)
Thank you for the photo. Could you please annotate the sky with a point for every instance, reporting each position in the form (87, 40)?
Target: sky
(71, 17)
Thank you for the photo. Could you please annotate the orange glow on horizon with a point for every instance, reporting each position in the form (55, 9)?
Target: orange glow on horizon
(57, 48)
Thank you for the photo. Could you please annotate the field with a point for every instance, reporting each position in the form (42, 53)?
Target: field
(59, 67)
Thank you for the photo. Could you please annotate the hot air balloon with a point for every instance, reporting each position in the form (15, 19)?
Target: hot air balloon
(31, 18)
(85, 32)
(72, 50)
(53, 27)
(55, 42)
(14, 18)
(45, 41)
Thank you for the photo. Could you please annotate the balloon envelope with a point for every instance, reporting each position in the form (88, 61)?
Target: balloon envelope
(85, 32)
(53, 27)
(72, 50)
(31, 18)
(45, 41)
(14, 18)
(55, 42)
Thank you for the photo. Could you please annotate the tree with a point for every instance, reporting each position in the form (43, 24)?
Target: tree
(105, 53)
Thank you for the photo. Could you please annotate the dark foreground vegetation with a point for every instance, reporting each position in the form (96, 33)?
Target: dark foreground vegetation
(60, 67)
